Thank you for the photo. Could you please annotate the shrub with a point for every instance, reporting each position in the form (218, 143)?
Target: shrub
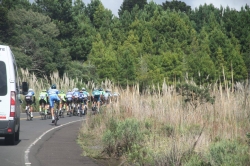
(228, 153)
(195, 160)
(120, 136)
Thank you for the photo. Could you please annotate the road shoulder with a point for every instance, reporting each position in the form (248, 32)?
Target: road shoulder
(59, 148)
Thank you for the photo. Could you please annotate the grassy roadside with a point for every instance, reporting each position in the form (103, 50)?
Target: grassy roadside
(164, 125)
(161, 128)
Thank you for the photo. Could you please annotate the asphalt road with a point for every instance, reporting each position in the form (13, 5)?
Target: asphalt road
(43, 144)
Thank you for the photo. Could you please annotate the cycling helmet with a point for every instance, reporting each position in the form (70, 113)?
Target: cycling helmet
(61, 91)
(83, 89)
(44, 90)
(100, 89)
(53, 86)
(69, 90)
(75, 89)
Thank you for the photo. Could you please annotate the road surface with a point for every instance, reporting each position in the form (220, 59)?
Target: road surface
(43, 144)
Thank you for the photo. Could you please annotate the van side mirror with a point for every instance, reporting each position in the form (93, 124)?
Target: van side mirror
(25, 88)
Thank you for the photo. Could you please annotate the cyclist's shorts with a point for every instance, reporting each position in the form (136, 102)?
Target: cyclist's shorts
(28, 100)
(53, 98)
(97, 98)
(75, 100)
(83, 100)
(63, 101)
(68, 101)
(42, 101)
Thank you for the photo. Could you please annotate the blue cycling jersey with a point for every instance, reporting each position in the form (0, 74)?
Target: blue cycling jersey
(53, 92)
(96, 93)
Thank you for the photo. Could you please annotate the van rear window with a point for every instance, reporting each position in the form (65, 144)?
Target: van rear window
(3, 79)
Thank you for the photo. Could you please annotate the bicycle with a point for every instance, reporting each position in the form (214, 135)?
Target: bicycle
(85, 109)
(82, 106)
(75, 107)
(62, 111)
(70, 107)
(43, 112)
(28, 113)
(29, 101)
(56, 112)
(95, 108)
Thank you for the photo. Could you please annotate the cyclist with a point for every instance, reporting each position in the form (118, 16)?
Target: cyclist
(43, 99)
(101, 96)
(107, 95)
(62, 96)
(75, 98)
(96, 98)
(53, 97)
(115, 96)
(86, 93)
(83, 99)
(30, 99)
(69, 98)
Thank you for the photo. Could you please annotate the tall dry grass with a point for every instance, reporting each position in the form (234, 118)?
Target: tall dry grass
(176, 127)
(191, 129)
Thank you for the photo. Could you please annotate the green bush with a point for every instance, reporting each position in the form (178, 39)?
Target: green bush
(120, 136)
(109, 140)
(129, 132)
(195, 160)
(140, 155)
(228, 153)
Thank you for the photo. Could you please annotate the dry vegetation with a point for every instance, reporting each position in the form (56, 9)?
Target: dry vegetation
(172, 131)
(177, 130)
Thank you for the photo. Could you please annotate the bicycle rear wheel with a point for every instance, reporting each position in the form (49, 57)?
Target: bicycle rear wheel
(56, 117)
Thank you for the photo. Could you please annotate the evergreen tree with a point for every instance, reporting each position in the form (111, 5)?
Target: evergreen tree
(130, 4)
(176, 5)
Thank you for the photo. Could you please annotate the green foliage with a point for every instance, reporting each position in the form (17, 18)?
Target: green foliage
(167, 130)
(195, 160)
(124, 137)
(248, 138)
(140, 155)
(83, 72)
(128, 5)
(146, 44)
(194, 95)
(4, 24)
(176, 5)
(34, 34)
(228, 153)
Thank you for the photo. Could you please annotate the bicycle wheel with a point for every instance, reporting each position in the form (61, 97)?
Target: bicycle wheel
(27, 113)
(85, 110)
(43, 116)
(56, 117)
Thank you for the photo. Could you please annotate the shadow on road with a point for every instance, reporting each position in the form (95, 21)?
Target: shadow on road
(3, 143)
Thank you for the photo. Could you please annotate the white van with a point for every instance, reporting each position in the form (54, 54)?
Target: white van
(9, 96)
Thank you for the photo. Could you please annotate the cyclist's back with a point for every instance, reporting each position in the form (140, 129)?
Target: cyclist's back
(30, 99)
(53, 97)
(43, 99)
(96, 98)
(62, 95)
(107, 95)
(69, 99)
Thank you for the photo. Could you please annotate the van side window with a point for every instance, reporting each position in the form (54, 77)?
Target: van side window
(3, 79)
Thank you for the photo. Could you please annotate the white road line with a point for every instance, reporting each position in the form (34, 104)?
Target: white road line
(26, 153)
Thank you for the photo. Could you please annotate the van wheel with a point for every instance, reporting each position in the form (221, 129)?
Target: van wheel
(17, 134)
(10, 139)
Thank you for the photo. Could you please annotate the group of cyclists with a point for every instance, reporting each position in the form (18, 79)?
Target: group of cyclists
(81, 97)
